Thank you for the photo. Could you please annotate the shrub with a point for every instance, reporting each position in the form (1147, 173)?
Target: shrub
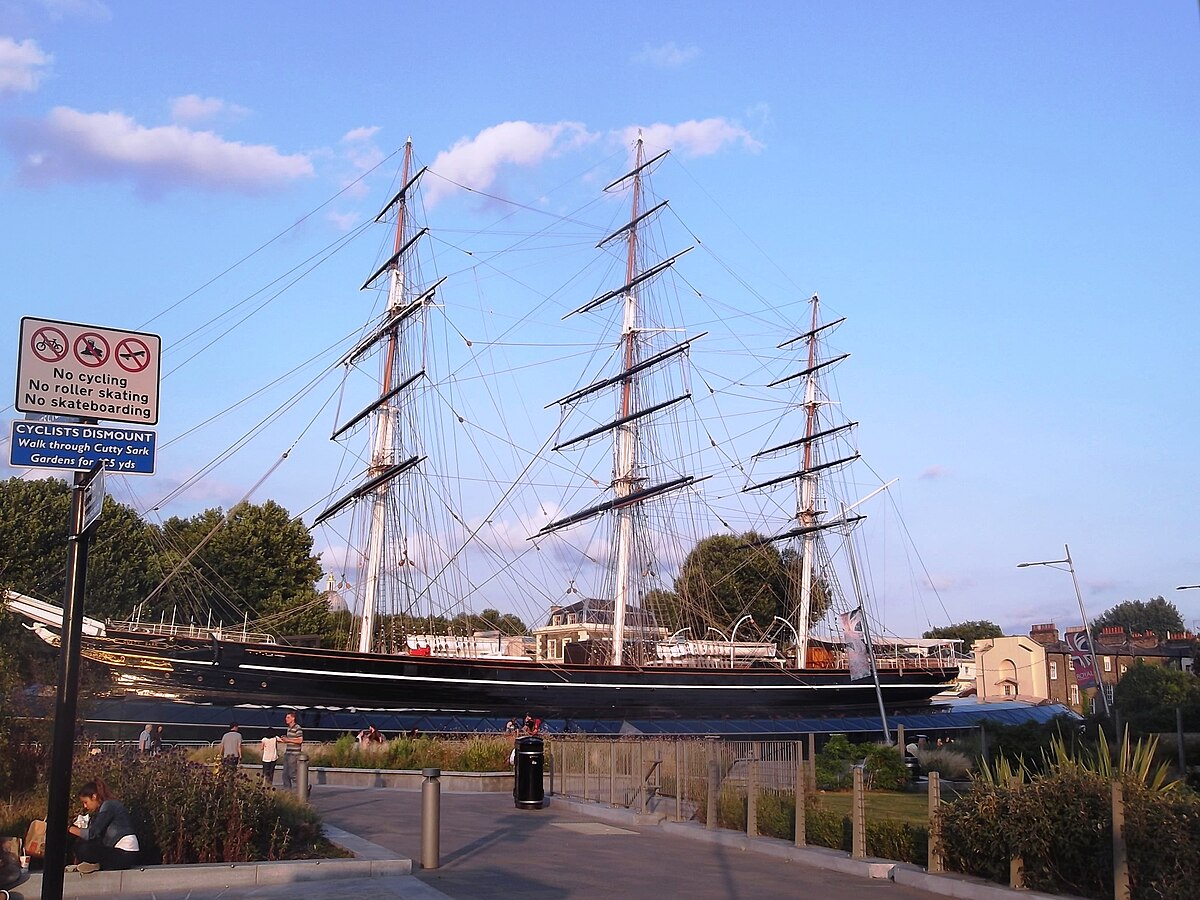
(834, 761)
(885, 769)
(946, 762)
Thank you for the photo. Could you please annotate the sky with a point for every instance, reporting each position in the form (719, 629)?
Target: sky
(1002, 199)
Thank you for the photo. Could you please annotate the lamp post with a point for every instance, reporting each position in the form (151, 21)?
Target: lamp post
(1087, 628)
(733, 636)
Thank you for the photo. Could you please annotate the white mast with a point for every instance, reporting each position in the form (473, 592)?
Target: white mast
(807, 513)
(383, 452)
(625, 450)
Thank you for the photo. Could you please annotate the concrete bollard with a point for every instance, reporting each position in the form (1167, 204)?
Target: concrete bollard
(858, 817)
(431, 818)
(937, 862)
(302, 778)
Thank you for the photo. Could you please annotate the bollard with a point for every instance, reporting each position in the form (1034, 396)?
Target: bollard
(679, 780)
(302, 778)
(752, 797)
(431, 818)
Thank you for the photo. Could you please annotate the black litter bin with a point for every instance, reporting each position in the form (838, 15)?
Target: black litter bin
(528, 791)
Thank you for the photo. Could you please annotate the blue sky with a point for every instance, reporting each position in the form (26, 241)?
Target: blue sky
(1001, 198)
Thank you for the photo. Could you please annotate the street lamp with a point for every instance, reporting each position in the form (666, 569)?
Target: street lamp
(1087, 628)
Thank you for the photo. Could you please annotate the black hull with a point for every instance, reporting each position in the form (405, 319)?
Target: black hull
(279, 675)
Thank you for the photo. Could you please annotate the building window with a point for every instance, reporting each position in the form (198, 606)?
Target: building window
(1108, 664)
(1054, 670)
(1074, 695)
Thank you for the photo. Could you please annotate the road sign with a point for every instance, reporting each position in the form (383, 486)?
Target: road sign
(85, 370)
(58, 445)
(93, 499)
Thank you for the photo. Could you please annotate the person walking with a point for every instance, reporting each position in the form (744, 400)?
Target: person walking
(145, 739)
(231, 749)
(270, 756)
(292, 742)
(156, 744)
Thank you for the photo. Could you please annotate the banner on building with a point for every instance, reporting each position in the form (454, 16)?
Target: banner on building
(1081, 659)
(856, 644)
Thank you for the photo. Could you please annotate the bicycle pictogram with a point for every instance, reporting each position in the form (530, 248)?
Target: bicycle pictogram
(49, 344)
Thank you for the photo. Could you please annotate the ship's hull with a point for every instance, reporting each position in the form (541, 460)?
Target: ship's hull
(280, 674)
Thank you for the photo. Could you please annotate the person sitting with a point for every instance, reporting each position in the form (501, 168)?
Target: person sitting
(107, 839)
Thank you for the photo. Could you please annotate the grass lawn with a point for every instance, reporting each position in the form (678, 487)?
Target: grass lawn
(902, 807)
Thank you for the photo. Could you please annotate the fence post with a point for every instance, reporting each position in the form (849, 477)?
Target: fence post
(752, 794)
(645, 780)
(550, 766)
(858, 818)
(679, 780)
(612, 772)
(587, 788)
(714, 785)
(1120, 851)
(937, 861)
(900, 737)
(812, 763)
(801, 780)
(1016, 865)
(431, 818)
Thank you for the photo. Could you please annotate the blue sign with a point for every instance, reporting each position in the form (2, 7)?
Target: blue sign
(58, 445)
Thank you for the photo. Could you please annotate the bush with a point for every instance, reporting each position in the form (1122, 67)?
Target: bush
(834, 761)
(946, 762)
(1061, 827)
(885, 769)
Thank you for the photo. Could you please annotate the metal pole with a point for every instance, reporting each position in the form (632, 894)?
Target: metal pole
(1087, 629)
(67, 697)
(302, 778)
(431, 818)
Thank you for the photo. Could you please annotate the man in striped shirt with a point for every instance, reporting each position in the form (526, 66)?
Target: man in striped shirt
(292, 742)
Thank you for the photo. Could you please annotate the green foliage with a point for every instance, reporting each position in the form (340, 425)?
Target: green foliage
(1147, 696)
(1157, 615)
(967, 632)
(33, 547)
(258, 562)
(723, 578)
(885, 769)
(1028, 740)
(487, 620)
(488, 753)
(834, 761)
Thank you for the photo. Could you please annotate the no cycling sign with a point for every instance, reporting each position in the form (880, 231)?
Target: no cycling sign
(69, 369)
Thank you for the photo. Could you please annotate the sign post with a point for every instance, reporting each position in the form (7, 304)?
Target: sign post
(66, 702)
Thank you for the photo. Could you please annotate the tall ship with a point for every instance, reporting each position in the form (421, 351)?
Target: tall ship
(654, 636)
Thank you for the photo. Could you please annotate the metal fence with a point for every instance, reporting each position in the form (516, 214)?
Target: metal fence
(671, 775)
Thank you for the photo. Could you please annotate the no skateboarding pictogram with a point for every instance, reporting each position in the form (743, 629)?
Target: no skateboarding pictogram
(133, 355)
(49, 344)
(91, 349)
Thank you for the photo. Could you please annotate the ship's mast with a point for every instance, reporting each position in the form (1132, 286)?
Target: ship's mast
(625, 463)
(807, 513)
(383, 451)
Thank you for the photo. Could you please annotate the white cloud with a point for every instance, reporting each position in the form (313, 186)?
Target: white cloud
(86, 10)
(942, 582)
(194, 108)
(22, 65)
(343, 222)
(692, 138)
(476, 162)
(666, 56)
(356, 135)
(71, 146)
(934, 471)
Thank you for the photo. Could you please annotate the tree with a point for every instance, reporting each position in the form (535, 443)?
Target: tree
(1147, 696)
(967, 632)
(487, 620)
(724, 578)
(122, 561)
(1157, 615)
(259, 562)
